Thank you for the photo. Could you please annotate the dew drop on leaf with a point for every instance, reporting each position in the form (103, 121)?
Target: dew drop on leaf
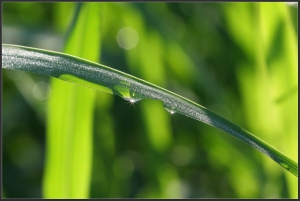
(170, 110)
(132, 100)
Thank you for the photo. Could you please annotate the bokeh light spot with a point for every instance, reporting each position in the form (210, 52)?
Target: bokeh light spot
(41, 90)
(181, 155)
(14, 74)
(123, 167)
(127, 38)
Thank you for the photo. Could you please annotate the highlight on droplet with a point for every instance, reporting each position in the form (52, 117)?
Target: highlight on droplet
(170, 110)
(132, 100)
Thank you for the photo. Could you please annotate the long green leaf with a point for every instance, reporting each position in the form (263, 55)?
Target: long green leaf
(93, 75)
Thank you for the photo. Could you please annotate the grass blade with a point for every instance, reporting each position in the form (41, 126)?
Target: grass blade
(93, 75)
(70, 116)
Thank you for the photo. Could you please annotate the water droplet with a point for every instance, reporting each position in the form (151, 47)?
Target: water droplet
(170, 110)
(133, 97)
(131, 100)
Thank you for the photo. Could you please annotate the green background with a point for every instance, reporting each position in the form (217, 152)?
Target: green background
(237, 59)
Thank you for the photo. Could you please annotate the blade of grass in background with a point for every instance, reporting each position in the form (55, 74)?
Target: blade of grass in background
(70, 116)
(266, 36)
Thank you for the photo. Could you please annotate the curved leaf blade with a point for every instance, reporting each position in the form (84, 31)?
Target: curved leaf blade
(93, 75)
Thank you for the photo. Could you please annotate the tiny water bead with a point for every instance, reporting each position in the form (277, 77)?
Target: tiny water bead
(131, 100)
(136, 95)
(170, 107)
(123, 89)
(133, 97)
(170, 110)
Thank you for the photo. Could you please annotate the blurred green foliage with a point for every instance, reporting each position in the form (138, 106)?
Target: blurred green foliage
(237, 59)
